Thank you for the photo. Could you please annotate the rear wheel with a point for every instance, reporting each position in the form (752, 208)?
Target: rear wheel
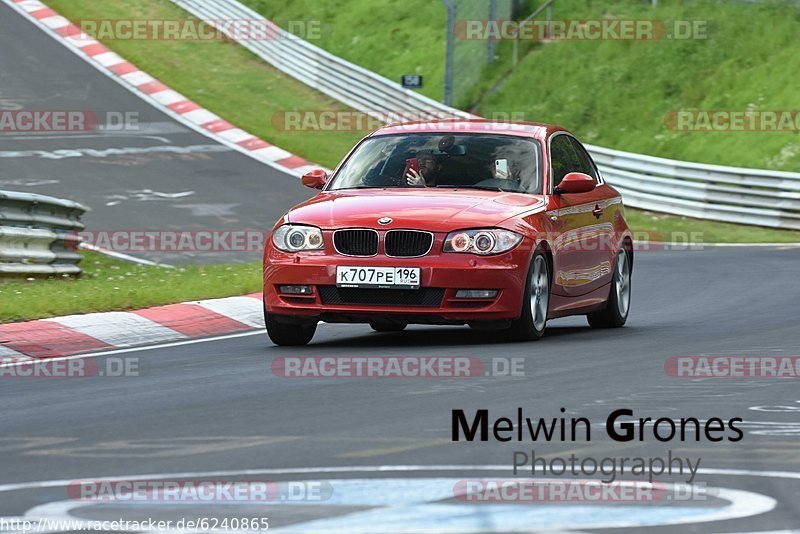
(619, 300)
(288, 334)
(388, 327)
(531, 323)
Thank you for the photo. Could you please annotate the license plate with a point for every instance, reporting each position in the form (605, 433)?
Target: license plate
(378, 277)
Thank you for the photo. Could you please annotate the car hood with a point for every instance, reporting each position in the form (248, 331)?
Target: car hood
(430, 209)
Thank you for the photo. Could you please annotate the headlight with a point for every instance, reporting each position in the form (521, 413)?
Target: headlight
(294, 237)
(482, 242)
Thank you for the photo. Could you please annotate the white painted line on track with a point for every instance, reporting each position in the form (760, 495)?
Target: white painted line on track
(743, 503)
(134, 349)
(125, 257)
(792, 475)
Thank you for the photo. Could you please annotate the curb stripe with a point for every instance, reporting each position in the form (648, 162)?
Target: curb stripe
(47, 339)
(235, 136)
(247, 310)
(43, 13)
(77, 334)
(253, 143)
(293, 162)
(192, 320)
(120, 69)
(118, 329)
(218, 126)
(95, 49)
(152, 87)
(183, 106)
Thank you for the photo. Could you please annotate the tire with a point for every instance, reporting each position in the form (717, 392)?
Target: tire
(388, 327)
(288, 335)
(619, 299)
(532, 321)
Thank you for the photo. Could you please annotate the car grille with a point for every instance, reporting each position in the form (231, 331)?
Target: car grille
(405, 243)
(425, 296)
(356, 242)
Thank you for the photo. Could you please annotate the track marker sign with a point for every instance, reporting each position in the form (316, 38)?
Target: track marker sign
(411, 81)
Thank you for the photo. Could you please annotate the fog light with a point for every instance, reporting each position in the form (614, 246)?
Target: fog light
(476, 293)
(295, 290)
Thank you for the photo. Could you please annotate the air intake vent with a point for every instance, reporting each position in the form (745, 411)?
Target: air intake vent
(429, 297)
(356, 242)
(407, 243)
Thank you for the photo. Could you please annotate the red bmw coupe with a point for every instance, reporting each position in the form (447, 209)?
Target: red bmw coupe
(500, 226)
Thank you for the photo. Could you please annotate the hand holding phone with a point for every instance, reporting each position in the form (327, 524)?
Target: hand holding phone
(411, 173)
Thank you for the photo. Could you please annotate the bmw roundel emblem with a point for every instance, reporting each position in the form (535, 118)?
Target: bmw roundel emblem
(385, 220)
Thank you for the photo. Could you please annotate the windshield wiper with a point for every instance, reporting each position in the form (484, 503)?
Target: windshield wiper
(365, 187)
(481, 187)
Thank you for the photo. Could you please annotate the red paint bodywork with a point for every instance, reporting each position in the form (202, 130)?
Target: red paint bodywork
(582, 234)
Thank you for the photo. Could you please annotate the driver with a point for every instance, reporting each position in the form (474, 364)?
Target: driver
(430, 169)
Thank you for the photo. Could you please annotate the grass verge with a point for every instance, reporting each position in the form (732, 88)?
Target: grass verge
(108, 284)
(612, 92)
(662, 227)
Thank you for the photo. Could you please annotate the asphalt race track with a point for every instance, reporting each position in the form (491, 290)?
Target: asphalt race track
(380, 449)
(216, 406)
(184, 181)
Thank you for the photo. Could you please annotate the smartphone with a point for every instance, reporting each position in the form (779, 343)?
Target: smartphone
(501, 169)
(411, 163)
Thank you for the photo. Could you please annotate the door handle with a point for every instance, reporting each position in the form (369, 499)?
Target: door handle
(597, 211)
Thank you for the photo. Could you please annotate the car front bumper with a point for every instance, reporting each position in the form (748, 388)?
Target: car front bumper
(435, 302)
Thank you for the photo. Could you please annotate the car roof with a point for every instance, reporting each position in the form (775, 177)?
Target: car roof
(526, 129)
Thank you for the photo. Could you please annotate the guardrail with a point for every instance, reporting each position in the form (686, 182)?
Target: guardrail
(730, 194)
(39, 234)
(350, 84)
(715, 192)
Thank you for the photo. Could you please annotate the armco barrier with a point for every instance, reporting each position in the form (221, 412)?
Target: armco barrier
(747, 196)
(39, 234)
(350, 84)
(731, 194)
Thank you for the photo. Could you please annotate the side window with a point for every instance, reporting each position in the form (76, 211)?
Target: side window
(584, 160)
(563, 158)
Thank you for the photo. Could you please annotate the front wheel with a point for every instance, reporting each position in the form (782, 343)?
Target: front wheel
(531, 323)
(619, 300)
(287, 334)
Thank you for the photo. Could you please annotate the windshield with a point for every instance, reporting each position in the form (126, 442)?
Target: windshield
(479, 161)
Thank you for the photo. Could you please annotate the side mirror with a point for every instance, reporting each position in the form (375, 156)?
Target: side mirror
(315, 179)
(575, 182)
